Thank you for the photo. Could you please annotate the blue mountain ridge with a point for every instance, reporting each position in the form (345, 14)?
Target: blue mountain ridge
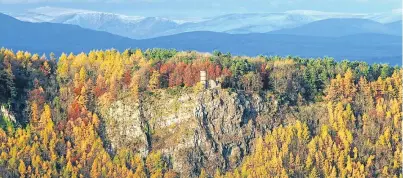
(58, 38)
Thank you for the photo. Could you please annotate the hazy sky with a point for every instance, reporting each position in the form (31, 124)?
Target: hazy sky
(205, 8)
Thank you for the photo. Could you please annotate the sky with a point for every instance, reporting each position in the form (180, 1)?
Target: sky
(204, 8)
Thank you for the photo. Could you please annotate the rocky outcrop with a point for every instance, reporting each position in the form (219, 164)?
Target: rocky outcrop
(210, 129)
(4, 112)
(125, 127)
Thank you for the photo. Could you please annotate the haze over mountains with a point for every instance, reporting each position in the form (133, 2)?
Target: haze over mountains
(343, 27)
(297, 33)
(138, 27)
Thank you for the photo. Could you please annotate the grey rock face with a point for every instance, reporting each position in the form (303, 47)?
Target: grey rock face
(212, 129)
(126, 129)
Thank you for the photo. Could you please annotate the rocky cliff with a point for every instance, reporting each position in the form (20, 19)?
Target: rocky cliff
(210, 129)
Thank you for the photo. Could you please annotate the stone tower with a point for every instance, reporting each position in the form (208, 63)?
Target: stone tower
(203, 78)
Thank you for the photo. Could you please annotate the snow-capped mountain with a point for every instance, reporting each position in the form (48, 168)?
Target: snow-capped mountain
(267, 22)
(138, 27)
(141, 27)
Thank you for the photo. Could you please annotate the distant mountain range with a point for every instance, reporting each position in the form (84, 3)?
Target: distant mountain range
(137, 27)
(342, 27)
(58, 38)
(53, 37)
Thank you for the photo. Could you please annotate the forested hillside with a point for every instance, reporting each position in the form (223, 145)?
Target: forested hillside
(145, 114)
